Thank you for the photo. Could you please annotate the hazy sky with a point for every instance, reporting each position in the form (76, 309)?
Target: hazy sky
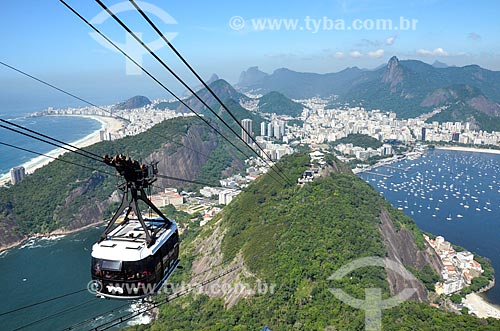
(44, 38)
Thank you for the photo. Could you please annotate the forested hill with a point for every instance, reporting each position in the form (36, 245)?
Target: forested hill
(293, 239)
(62, 196)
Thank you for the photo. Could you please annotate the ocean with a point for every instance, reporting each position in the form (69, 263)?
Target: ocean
(49, 267)
(46, 268)
(65, 128)
(452, 194)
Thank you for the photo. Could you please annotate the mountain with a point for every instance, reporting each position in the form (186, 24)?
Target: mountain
(251, 77)
(410, 88)
(275, 102)
(212, 79)
(439, 65)
(221, 88)
(464, 103)
(62, 197)
(285, 242)
(229, 96)
(138, 101)
(297, 85)
(404, 87)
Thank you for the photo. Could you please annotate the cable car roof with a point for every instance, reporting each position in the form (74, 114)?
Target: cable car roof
(128, 243)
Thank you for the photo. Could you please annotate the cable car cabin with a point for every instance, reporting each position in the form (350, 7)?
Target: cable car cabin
(123, 265)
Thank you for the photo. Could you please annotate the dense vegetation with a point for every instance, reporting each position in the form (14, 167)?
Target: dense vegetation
(296, 238)
(54, 194)
(275, 102)
(360, 140)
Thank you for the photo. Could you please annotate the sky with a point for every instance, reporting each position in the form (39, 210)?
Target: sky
(43, 38)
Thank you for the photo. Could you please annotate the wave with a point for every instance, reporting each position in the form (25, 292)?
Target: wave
(41, 242)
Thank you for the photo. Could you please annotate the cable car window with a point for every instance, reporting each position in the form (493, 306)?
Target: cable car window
(111, 265)
(133, 270)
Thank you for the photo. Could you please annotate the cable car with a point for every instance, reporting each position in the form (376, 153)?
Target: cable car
(135, 255)
(123, 265)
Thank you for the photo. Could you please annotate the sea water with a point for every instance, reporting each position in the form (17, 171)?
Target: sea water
(452, 194)
(65, 128)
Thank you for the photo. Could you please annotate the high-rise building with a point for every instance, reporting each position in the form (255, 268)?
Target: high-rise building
(263, 128)
(282, 125)
(269, 130)
(247, 126)
(424, 131)
(17, 175)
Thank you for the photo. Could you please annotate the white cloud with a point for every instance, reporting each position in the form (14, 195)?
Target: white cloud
(376, 54)
(339, 55)
(356, 54)
(390, 41)
(437, 52)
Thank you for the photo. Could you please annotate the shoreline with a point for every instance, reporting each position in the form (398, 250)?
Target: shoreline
(480, 307)
(59, 232)
(468, 149)
(111, 124)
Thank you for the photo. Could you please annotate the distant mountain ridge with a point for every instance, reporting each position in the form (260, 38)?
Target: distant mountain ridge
(272, 102)
(409, 87)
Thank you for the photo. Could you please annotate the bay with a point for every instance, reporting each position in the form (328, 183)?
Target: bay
(65, 128)
(450, 193)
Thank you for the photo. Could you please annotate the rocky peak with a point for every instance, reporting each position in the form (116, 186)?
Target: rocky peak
(393, 73)
(250, 77)
(212, 79)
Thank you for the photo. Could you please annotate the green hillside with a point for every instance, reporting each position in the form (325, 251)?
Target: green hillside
(61, 195)
(275, 102)
(296, 238)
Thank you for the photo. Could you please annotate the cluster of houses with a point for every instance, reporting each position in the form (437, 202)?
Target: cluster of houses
(459, 268)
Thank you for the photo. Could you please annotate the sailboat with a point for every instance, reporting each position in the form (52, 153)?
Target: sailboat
(449, 218)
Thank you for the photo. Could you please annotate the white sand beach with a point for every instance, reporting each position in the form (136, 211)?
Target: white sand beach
(469, 149)
(113, 125)
(481, 307)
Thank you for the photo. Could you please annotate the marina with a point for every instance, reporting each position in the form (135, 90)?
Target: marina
(452, 193)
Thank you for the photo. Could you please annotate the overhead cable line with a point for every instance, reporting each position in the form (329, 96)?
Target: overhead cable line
(179, 55)
(156, 80)
(119, 320)
(61, 312)
(55, 87)
(122, 319)
(41, 302)
(112, 115)
(126, 28)
(57, 159)
(51, 138)
(104, 172)
(150, 75)
(94, 318)
(51, 143)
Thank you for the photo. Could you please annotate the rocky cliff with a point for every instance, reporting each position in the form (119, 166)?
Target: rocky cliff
(63, 197)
